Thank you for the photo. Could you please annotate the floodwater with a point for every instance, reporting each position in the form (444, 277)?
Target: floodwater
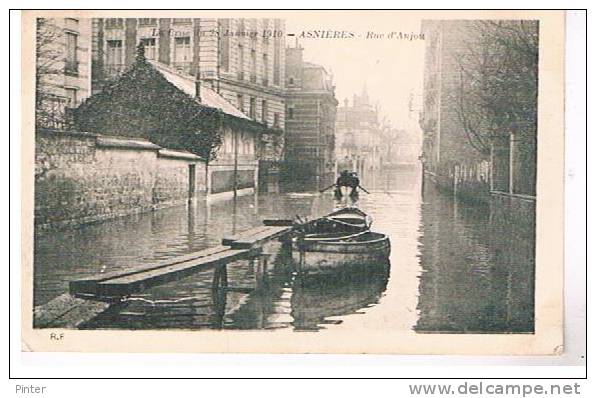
(453, 267)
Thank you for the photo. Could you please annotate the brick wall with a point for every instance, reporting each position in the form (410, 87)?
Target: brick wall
(82, 177)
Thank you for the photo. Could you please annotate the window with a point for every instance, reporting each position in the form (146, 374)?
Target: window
(149, 46)
(253, 30)
(266, 31)
(72, 65)
(240, 62)
(114, 23)
(253, 108)
(291, 81)
(264, 111)
(244, 147)
(114, 58)
(241, 102)
(147, 21)
(224, 44)
(114, 53)
(276, 119)
(276, 55)
(290, 112)
(71, 97)
(265, 70)
(182, 21)
(253, 66)
(71, 24)
(182, 53)
(229, 141)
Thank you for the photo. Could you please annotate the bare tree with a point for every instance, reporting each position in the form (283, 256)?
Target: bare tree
(498, 82)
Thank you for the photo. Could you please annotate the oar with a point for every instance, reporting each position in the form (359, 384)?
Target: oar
(329, 187)
(363, 189)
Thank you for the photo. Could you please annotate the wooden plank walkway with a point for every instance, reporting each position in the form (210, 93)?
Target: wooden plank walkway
(255, 237)
(129, 284)
(245, 245)
(89, 285)
(66, 311)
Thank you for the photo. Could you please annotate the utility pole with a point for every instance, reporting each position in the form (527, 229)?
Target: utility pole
(235, 135)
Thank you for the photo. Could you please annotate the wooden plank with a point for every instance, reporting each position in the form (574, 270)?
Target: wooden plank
(130, 284)
(66, 311)
(228, 240)
(278, 223)
(89, 285)
(253, 240)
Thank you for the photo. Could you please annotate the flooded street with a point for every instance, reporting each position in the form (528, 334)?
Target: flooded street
(453, 267)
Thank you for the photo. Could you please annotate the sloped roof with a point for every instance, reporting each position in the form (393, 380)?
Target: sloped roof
(186, 83)
(306, 64)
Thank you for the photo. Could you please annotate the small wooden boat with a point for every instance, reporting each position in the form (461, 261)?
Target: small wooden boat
(345, 221)
(328, 251)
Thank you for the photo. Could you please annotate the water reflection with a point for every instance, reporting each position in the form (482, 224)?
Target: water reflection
(477, 269)
(326, 299)
(251, 295)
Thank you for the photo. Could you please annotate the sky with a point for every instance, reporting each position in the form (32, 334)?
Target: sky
(391, 68)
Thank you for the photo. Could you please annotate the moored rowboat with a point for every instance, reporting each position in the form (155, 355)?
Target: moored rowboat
(320, 252)
(344, 221)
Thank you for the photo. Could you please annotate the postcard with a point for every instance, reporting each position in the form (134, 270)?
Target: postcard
(293, 182)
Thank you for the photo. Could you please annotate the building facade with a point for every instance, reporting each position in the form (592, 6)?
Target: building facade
(174, 110)
(359, 136)
(243, 60)
(311, 110)
(63, 68)
(234, 168)
(445, 143)
(462, 151)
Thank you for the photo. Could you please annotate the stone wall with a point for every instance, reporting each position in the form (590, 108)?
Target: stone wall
(83, 177)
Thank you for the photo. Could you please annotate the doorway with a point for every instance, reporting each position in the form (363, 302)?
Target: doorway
(191, 182)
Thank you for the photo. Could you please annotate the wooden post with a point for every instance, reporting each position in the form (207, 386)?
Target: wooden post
(235, 135)
(220, 278)
(219, 294)
(511, 162)
(490, 167)
(260, 266)
(455, 180)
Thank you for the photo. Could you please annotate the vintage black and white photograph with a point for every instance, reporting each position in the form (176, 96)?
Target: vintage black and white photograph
(294, 176)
